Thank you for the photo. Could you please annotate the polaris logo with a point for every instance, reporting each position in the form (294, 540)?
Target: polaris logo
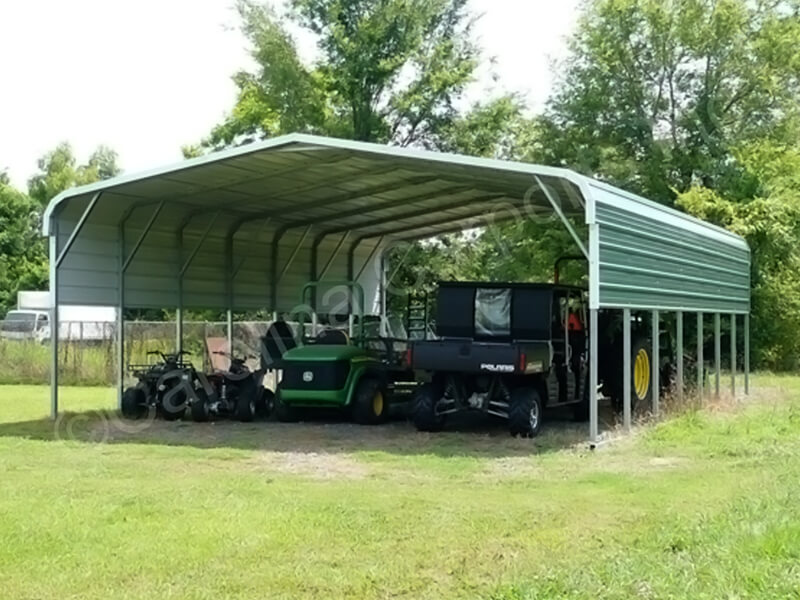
(497, 368)
(308, 376)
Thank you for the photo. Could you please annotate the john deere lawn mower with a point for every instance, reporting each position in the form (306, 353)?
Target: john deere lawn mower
(343, 363)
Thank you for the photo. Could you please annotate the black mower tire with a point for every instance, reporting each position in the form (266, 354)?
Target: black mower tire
(423, 409)
(134, 403)
(283, 412)
(265, 404)
(525, 412)
(369, 402)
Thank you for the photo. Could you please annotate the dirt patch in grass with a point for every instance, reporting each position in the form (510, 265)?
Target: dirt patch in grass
(314, 465)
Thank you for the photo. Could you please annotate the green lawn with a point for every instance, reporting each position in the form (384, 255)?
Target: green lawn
(702, 506)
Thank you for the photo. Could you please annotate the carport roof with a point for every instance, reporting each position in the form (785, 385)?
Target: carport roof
(341, 185)
(641, 253)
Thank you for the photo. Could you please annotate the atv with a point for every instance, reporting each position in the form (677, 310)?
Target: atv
(164, 386)
(237, 392)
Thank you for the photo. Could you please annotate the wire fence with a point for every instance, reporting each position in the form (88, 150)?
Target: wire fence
(92, 359)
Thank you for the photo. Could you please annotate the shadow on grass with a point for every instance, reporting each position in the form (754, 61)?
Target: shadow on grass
(471, 435)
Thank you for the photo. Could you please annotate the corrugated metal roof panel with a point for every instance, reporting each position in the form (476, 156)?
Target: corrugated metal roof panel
(646, 263)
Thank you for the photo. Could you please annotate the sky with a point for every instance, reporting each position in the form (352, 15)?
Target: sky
(148, 76)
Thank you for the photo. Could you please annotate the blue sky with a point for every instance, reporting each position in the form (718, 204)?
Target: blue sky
(148, 76)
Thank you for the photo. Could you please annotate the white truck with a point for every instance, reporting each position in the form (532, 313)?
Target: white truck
(31, 320)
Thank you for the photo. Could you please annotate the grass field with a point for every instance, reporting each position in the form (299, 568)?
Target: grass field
(704, 505)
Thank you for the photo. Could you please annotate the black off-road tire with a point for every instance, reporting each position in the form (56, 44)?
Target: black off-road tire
(423, 409)
(246, 404)
(265, 404)
(525, 413)
(134, 403)
(200, 410)
(283, 412)
(369, 402)
(175, 408)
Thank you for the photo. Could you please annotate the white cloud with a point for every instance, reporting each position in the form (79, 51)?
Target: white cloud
(145, 77)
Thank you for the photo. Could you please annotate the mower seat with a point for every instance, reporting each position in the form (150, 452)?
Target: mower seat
(333, 337)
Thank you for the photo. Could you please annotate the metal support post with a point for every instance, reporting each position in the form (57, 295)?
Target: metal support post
(747, 354)
(656, 370)
(626, 368)
(124, 263)
(593, 377)
(54, 325)
(679, 354)
(229, 275)
(179, 304)
(700, 361)
(717, 353)
(121, 319)
(733, 355)
(383, 285)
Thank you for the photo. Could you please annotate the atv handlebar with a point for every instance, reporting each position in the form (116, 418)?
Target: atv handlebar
(167, 357)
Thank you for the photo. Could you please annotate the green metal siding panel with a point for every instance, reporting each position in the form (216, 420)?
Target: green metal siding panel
(647, 261)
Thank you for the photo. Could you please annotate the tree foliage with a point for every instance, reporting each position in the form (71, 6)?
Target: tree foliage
(59, 170)
(23, 260)
(390, 72)
(770, 222)
(23, 253)
(657, 94)
(693, 102)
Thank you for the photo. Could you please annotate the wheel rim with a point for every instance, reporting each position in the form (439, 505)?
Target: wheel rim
(641, 374)
(533, 417)
(377, 403)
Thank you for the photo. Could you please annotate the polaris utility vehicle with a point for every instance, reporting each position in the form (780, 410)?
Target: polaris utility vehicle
(165, 386)
(512, 350)
(238, 392)
(343, 364)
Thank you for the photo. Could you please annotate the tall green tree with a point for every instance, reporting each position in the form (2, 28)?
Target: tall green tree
(770, 222)
(23, 260)
(391, 71)
(23, 253)
(657, 94)
(59, 170)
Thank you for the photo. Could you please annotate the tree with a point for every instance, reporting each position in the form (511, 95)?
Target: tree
(770, 223)
(59, 170)
(23, 261)
(657, 94)
(388, 72)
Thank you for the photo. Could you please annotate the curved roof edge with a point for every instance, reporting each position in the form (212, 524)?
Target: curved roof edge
(583, 182)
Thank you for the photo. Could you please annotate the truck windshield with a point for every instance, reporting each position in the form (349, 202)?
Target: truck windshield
(492, 312)
(19, 321)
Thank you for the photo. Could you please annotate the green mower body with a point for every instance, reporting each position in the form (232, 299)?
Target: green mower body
(325, 376)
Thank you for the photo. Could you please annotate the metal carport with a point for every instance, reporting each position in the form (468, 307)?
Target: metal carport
(244, 229)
